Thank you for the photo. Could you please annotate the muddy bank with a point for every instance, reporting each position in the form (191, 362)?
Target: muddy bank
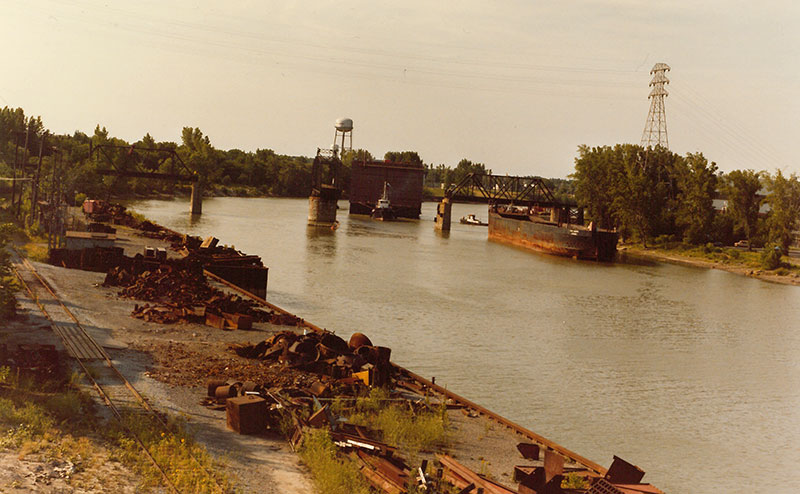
(675, 258)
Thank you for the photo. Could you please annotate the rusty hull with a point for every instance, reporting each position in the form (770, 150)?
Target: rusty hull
(565, 240)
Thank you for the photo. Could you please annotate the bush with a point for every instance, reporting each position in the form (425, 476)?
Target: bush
(79, 198)
(771, 257)
(8, 285)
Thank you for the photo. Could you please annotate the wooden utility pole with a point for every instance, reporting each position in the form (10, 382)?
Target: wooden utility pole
(24, 165)
(35, 190)
(14, 175)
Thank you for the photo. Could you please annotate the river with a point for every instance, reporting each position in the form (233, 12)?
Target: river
(691, 374)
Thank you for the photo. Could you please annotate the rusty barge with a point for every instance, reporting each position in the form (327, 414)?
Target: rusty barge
(523, 211)
(530, 230)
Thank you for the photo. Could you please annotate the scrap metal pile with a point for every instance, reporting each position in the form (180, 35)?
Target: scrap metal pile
(343, 370)
(180, 292)
(346, 370)
(326, 354)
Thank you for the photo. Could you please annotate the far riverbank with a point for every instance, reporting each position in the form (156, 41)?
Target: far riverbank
(781, 275)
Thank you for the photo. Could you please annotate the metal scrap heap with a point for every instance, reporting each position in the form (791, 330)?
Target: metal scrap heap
(345, 371)
(326, 354)
(181, 292)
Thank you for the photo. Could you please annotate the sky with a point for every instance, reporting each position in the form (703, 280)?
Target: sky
(516, 85)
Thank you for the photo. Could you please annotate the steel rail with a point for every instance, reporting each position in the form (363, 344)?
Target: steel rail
(142, 401)
(139, 398)
(541, 440)
(105, 397)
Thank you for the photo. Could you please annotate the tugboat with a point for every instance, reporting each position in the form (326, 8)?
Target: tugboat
(383, 210)
(471, 219)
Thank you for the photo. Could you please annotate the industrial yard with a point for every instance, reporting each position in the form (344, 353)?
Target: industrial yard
(198, 344)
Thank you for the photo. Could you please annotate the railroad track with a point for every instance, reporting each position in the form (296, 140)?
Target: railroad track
(116, 391)
(426, 384)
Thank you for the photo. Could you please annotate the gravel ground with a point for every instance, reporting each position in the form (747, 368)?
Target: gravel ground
(257, 463)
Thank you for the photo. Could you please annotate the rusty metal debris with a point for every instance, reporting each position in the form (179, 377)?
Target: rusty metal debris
(462, 477)
(247, 414)
(550, 477)
(324, 353)
(182, 293)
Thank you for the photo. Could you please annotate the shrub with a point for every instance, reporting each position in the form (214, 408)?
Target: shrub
(8, 285)
(771, 257)
(79, 198)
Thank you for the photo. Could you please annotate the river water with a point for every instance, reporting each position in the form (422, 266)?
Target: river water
(691, 374)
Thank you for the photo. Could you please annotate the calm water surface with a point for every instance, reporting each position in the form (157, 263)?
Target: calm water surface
(692, 374)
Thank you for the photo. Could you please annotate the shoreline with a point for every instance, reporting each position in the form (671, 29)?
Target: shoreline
(741, 270)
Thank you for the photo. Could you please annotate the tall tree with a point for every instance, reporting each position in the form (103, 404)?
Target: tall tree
(410, 157)
(697, 184)
(784, 202)
(465, 167)
(741, 188)
(641, 190)
(596, 172)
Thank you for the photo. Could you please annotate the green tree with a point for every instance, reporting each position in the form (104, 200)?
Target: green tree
(784, 202)
(697, 185)
(741, 188)
(596, 172)
(642, 190)
(8, 302)
(409, 157)
(465, 167)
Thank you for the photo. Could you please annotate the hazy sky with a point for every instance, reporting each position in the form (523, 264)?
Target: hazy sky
(517, 85)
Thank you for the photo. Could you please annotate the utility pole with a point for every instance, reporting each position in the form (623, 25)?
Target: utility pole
(655, 129)
(52, 192)
(35, 189)
(14, 175)
(24, 166)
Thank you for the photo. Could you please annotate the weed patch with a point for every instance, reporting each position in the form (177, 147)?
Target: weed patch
(187, 464)
(410, 430)
(331, 474)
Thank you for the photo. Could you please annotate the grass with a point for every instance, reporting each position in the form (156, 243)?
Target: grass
(729, 256)
(44, 417)
(56, 419)
(411, 431)
(187, 464)
(332, 475)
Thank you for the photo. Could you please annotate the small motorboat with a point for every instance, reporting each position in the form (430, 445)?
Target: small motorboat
(383, 210)
(471, 219)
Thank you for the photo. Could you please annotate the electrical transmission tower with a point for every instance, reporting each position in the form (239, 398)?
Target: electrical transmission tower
(655, 129)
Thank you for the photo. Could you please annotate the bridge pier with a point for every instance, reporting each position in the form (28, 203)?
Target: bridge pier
(197, 197)
(443, 212)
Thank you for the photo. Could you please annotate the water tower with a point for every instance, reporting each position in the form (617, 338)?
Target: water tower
(325, 189)
(344, 128)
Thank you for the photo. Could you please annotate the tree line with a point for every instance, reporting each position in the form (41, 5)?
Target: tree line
(77, 161)
(654, 193)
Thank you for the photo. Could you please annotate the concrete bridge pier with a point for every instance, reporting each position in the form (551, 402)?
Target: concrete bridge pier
(197, 197)
(443, 212)
(322, 207)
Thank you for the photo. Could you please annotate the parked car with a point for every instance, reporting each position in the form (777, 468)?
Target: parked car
(742, 243)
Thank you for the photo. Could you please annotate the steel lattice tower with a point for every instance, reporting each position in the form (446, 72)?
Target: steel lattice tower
(655, 129)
